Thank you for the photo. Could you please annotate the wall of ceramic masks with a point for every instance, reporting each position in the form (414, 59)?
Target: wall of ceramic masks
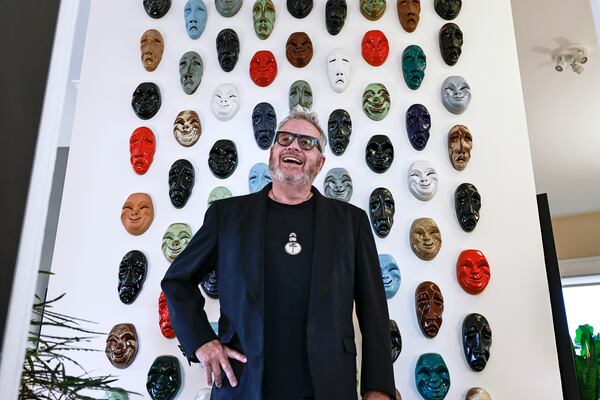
(484, 200)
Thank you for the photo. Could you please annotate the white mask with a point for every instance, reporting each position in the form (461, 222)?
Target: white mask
(338, 69)
(225, 101)
(422, 180)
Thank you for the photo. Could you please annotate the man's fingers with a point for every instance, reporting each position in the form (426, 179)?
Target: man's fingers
(234, 354)
(228, 370)
(216, 372)
(208, 371)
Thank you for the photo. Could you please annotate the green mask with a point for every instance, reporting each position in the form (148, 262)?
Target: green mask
(413, 66)
(116, 394)
(376, 101)
(218, 193)
(301, 93)
(263, 14)
(175, 239)
(372, 9)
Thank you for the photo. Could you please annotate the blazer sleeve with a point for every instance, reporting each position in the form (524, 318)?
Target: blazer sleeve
(377, 372)
(180, 285)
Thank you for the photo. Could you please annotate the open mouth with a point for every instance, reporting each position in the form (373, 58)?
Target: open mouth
(292, 160)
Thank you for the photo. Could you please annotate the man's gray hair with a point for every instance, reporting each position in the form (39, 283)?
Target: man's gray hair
(300, 112)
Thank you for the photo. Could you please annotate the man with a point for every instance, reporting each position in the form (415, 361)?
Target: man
(290, 263)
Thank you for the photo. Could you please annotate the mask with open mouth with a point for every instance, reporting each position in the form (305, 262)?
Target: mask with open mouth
(409, 13)
(376, 101)
(218, 193)
(456, 94)
(187, 128)
(164, 319)
(137, 213)
(338, 69)
(418, 125)
(381, 210)
(460, 143)
(339, 128)
(258, 177)
(447, 9)
(375, 47)
(263, 14)
(390, 274)
(228, 8)
(425, 238)
(145, 100)
(152, 46)
(263, 68)
(210, 285)
(299, 49)
(301, 93)
(396, 340)
(225, 101)
(264, 121)
(157, 8)
(473, 271)
(335, 15)
(194, 14)
(175, 240)
(338, 184)
(228, 49)
(223, 158)
(414, 63)
(164, 378)
(191, 69)
(181, 182)
(379, 153)
(477, 340)
(432, 376)
(429, 305)
(299, 8)
(132, 274)
(142, 145)
(451, 41)
(121, 345)
(467, 201)
(422, 180)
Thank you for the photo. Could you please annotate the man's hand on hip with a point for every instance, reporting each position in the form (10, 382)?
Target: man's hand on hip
(375, 396)
(214, 356)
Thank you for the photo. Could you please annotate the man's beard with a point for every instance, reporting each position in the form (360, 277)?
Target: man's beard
(300, 179)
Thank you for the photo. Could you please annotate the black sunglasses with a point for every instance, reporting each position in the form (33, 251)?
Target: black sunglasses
(306, 142)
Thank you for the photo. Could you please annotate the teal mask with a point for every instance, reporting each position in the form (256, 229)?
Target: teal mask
(432, 377)
(301, 93)
(413, 66)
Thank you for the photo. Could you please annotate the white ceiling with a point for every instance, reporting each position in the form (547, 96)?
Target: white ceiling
(563, 108)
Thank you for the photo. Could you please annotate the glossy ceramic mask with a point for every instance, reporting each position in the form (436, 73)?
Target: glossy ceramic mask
(418, 125)
(299, 8)
(396, 340)
(218, 193)
(164, 320)
(473, 271)
(460, 143)
(376, 101)
(372, 9)
(379, 153)
(263, 14)
(121, 345)
(191, 69)
(194, 14)
(338, 69)
(157, 8)
(390, 274)
(338, 184)
(137, 213)
(339, 129)
(145, 100)
(409, 13)
(263, 68)
(335, 15)
(115, 394)
(258, 177)
(301, 93)
(425, 238)
(187, 128)
(142, 145)
(299, 49)
(264, 122)
(477, 393)
(432, 377)
(164, 378)
(152, 46)
(451, 41)
(414, 63)
(381, 211)
(228, 49)
(422, 180)
(429, 304)
(210, 285)
(225, 101)
(223, 158)
(467, 201)
(175, 240)
(456, 94)
(477, 340)
(228, 8)
(203, 394)
(132, 274)
(375, 47)
(181, 182)
(447, 9)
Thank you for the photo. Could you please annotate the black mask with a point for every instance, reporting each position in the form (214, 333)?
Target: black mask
(379, 153)
(418, 124)
(228, 49)
(132, 273)
(339, 129)
(210, 286)
(467, 201)
(223, 158)
(146, 100)
(381, 211)
(447, 9)
(164, 378)
(264, 121)
(396, 346)
(335, 15)
(157, 8)
(477, 340)
(181, 182)
(299, 8)
(451, 41)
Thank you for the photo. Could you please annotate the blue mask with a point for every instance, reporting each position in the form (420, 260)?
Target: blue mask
(390, 273)
(432, 377)
(418, 124)
(195, 16)
(258, 177)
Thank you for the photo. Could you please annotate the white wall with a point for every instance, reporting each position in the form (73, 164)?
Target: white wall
(91, 240)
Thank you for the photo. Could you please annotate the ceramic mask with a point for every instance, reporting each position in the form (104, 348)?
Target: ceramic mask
(460, 143)
(477, 340)
(425, 238)
(396, 340)
(409, 13)
(338, 69)
(157, 8)
(390, 274)
(142, 145)
(228, 8)
(299, 8)
(339, 129)
(121, 345)
(225, 101)
(175, 240)
(263, 14)
(299, 49)
(422, 180)
(223, 158)
(338, 184)
(456, 94)
(137, 213)
(164, 378)
(477, 393)
(145, 100)
(181, 182)
(115, 394)
(429, 304)
(152, 46)
(218, 193)
(418, 125)
(473, 271)
(379, 153)
(432, 377)
(447, 9)
(376, 101)
(164, 320)
(451, 41)
(194, 14)
(210, 285)
(187, 128)
(263, 68)
(372, 9)
(228, 49)
(414, 63)
(381, 211)
(335, 15)
(132, 274)
(467, 201)
(375, 47)
(301, 93)
(258, 177)
(191, 69)
(264, 122)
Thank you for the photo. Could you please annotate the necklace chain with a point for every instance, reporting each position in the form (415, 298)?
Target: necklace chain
(272, 193)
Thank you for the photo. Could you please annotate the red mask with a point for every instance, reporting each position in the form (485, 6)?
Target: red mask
(263, 68)
(472, 271)
(375, 48)
(163, 317)
(142, 145)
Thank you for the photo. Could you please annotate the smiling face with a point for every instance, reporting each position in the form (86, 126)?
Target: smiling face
(451, 41)
(137, 213)
(228, 8)
(376, 101)
(339, 129)
(301, 93)
(264, 122)
(191, 69)
(414, 63)
(456, 94)
(151, 47)
(467, 201)
(157, 8)
(194, 14)
(164, 378)
(390, 274)
(181, 182)
(425, 238)
(175, 240)
(477, 340)
(187, 128)
(429, 304)
(473, 271)
(381, 210)
(409, 12)
(132, 274)
(338, 184)
(223, 158)
(145, 100)
(258, 177)
(335, 15)
(225, 102)
(422, 180)
(263, 14)
(375, 47)
(228, 49)
(379, 153)
(263, 68)
(432, 376)
(372, 9)
(299, 49)
(418, 124)
(460, 143)
(121, 345)
(338, 69)
(164, 320)
(142, 145)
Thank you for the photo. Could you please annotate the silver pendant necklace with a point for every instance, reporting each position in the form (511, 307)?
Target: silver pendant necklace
(292, 247)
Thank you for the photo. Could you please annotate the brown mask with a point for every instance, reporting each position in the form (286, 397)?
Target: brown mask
(460, 143)
(151, 46)
(425, 238)
(137, 213)
(409, 12)
(121, 345)
(299, 49)
(429, 304)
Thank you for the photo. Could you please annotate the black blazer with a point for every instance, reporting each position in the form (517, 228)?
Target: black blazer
(345, 271)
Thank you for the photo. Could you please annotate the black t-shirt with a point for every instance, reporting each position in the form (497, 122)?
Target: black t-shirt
(287, 284)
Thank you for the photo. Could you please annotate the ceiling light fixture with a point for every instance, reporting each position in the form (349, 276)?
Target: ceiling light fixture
(574, 55)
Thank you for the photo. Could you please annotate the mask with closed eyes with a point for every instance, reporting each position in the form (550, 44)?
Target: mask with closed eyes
(422, 180)
(338, 184)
